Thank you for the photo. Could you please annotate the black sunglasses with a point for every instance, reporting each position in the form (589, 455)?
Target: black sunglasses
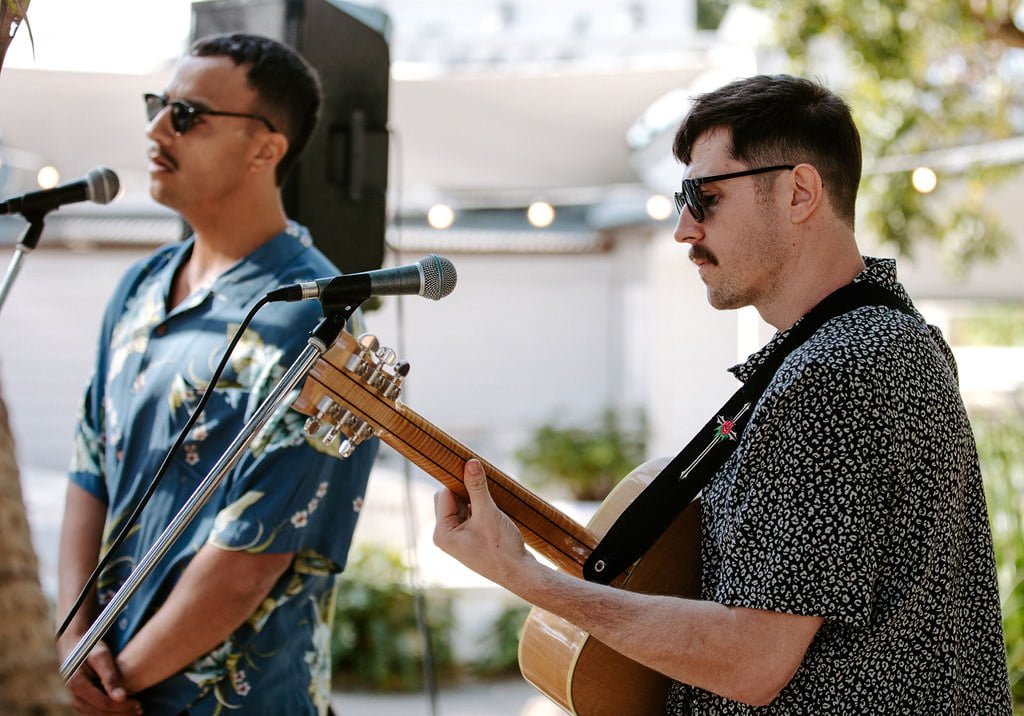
(691, 197)
(184, 114)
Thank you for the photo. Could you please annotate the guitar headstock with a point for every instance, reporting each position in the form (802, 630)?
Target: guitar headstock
(338, 387)
(351, 393)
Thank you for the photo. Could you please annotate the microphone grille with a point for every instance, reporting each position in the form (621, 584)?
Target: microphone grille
(102, 185)
(438, 277)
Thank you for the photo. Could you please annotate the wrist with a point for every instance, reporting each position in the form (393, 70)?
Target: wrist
(527, 575)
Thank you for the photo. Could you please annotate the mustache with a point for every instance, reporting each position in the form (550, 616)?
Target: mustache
(698, 252)
(158, 154)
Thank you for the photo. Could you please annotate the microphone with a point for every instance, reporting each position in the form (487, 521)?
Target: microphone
(432, 277)
(100, 185)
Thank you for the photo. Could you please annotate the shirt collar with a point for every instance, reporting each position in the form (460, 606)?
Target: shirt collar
(881, 272)
(247, 280)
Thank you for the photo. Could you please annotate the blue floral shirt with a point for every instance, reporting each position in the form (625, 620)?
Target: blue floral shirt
(286, 493)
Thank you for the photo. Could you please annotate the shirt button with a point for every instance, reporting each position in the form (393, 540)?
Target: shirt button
(161, 330)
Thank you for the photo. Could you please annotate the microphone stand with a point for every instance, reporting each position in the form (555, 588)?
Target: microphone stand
(28, 242)
(320, 339)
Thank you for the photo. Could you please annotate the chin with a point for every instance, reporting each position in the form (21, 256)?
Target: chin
(162, 195)
(725, 301)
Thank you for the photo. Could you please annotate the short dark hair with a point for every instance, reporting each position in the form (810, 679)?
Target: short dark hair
(287, 86)
(779, 119)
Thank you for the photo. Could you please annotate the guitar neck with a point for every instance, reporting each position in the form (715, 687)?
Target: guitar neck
(546, 529)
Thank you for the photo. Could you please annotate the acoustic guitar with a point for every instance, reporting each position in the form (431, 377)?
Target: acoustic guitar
(351, 393)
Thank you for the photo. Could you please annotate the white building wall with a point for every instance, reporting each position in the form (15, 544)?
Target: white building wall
(692, 345)
(522, 340)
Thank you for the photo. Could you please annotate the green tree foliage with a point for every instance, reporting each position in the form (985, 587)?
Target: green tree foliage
(921, 76)
(12, 14)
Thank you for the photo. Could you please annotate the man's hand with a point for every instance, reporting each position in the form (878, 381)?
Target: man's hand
(97, 687)
(478, 533)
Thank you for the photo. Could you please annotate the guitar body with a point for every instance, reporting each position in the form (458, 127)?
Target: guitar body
(352, 392)
(578, 672)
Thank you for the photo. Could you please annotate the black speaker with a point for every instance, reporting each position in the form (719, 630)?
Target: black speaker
(338, 188)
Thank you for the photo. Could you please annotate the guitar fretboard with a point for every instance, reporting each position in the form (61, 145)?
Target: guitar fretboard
(546, 529)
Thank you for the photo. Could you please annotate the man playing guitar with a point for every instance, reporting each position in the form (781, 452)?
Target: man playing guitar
(846, 557)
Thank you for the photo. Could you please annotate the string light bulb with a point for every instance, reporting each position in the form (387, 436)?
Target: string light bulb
(48, 177)
(658, 207)
(440, 216)
(540, 214)
(924, 179)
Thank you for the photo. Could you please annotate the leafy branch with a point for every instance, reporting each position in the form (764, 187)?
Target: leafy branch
(921, 76)
(12, 14)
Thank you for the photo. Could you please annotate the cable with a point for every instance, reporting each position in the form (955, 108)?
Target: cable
(412, 541)
(161, 472)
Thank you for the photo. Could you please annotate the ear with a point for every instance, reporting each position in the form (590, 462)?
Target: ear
(808, 195)
(271, 150)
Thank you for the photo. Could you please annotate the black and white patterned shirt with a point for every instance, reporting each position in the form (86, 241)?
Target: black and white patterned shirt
(855, 495)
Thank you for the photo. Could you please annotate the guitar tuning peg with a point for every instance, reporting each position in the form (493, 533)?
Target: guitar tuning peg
(335, 430)
(348, 446)
(312, 426)
(369, 342)
(364, 432)
(394, 387)
(324, 409)
(331, 435)
(387, 356)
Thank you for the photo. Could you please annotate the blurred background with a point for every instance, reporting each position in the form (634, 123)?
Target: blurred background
(529, 142)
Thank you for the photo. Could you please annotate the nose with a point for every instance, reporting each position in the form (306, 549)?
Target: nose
(158, 126)
(688, 230)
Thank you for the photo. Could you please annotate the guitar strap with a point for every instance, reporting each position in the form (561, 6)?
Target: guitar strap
(676, 486)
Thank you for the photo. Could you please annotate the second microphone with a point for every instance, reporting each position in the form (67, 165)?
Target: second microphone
(432, 277)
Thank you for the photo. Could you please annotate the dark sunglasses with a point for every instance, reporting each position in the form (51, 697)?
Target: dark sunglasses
(184, 114)
(690, 197)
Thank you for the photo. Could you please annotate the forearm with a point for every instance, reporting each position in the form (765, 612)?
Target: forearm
(81, 534)
(218, 591)
(743, 654)
(733, 652)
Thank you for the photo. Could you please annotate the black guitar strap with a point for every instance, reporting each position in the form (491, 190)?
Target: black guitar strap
(651, 513)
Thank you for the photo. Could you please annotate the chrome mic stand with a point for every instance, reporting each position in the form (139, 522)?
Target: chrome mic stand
(319, 341)
(27, 243)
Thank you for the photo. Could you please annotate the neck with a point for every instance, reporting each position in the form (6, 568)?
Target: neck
(224, 236)
(810, 277)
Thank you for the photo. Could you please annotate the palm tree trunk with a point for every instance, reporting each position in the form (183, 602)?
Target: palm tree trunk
(30, 681)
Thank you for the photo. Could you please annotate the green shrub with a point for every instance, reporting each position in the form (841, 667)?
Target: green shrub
(1001, 450)
(376, 643)
(589, 461)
